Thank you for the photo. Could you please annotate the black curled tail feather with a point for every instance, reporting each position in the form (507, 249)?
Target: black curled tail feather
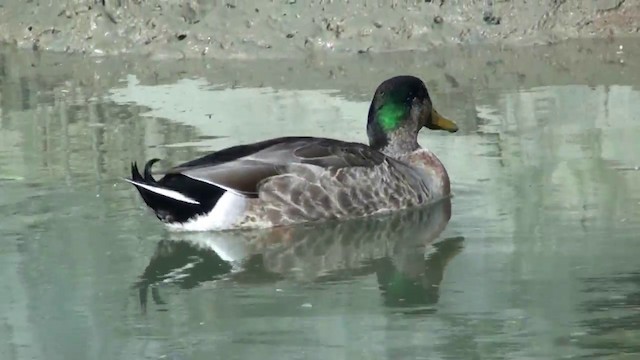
(147, 178)
(147, 171)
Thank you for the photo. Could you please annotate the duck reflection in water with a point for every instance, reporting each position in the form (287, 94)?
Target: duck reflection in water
(398, 248)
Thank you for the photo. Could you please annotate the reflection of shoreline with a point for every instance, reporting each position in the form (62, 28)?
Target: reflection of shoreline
(393, 247)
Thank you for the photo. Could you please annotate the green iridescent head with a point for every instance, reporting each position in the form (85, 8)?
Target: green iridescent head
(401, 105)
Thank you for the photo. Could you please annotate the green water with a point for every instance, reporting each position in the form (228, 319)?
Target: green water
(539, 259)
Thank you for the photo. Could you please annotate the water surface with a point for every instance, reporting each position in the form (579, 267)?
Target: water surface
(539, 259)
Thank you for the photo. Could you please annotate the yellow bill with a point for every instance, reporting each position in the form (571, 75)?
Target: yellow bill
(440, 122)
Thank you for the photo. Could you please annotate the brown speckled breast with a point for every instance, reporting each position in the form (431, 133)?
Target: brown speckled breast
(434, 173)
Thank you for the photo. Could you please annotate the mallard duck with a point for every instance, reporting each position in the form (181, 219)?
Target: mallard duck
(291, 180)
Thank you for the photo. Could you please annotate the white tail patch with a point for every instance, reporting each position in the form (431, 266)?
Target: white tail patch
(165, 192)
(225, 215)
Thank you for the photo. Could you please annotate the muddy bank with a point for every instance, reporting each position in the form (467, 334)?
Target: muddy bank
(294, 28)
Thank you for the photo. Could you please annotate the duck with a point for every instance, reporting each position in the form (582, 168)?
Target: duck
(303, 179)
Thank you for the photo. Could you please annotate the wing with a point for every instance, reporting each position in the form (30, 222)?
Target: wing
(243, 168)
(327, 153)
